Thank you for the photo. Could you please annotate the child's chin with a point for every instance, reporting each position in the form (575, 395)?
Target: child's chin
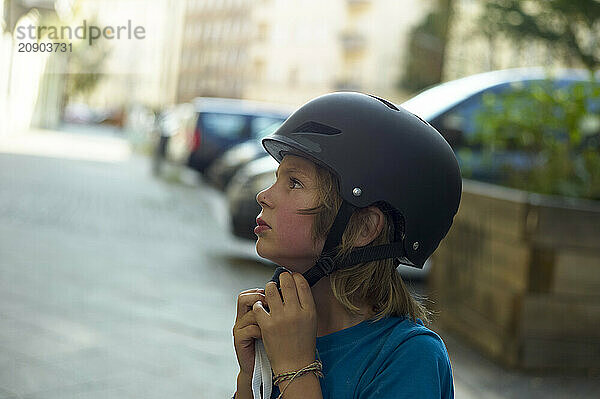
(265, 254)
(260, 250)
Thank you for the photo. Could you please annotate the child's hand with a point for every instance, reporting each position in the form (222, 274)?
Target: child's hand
(246, 329)
(289, 331)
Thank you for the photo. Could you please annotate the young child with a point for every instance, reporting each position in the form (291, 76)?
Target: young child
(362, 186)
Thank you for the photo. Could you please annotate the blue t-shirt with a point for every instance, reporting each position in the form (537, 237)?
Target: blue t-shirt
(391, 358)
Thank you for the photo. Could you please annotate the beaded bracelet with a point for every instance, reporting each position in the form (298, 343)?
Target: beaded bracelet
(315, 367)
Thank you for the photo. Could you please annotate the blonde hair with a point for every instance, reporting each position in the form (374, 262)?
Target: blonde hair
(376, 284)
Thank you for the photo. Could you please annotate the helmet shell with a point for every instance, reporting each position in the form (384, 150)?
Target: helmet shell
(379, 152)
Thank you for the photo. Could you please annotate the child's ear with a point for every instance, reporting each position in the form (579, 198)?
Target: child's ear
(374, 220)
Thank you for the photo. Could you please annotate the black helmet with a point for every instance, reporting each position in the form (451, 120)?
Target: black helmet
(380, 153)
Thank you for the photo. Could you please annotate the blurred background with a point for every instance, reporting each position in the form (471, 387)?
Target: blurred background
(129, 167)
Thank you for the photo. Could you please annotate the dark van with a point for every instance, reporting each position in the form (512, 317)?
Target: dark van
(222, 123)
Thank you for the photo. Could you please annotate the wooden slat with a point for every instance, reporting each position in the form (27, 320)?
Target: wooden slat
(566, 317)
(481, 333)
(541, 270)
(506, 263)
(497, 304)
(482, 257)
(567, 226)
(577, 272)
(494, 216)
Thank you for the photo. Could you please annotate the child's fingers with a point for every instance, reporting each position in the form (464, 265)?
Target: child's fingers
(245, 302)
(243, 339)
(259, 312)
(248, 299)
(245, 333)
(305, 296)
(273, 298)
(288, 290)
(245, 320)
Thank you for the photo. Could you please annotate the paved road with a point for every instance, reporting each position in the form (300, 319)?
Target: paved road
(114, 284)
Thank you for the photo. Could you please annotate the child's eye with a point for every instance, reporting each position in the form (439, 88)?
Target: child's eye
(295, 183)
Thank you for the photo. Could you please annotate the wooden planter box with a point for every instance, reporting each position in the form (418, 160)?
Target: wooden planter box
(519, 277)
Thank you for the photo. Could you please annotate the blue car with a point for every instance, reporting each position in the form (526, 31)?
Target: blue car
(222, 123)
(452, 108)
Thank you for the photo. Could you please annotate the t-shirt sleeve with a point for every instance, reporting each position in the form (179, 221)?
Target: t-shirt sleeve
(417, 368)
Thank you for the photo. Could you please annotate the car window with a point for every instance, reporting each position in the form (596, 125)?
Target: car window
(230, 126)
(458, 125)
(262, 126)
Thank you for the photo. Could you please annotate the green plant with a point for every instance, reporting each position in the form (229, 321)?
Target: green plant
(86, 63)
(557, 126)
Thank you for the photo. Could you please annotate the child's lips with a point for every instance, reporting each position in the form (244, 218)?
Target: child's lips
(261, 227)
(261, 222)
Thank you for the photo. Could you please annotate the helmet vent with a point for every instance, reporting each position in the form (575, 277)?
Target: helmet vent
(386, 102)
(317, 128)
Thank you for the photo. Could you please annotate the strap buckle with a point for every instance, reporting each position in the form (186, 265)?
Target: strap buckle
(326, 265)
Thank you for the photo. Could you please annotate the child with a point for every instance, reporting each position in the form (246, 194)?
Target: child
(362, 186)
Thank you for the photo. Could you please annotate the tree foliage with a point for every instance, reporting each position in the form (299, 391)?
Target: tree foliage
(85, 66)
(426, 48)
(569, 26)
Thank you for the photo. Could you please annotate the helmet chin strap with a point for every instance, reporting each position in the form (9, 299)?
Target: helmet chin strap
(325, 265)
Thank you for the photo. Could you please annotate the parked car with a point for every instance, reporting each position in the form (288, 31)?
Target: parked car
(170, 130)
(83, 114)
(253, 177)
(224, 167)
(222, 123)
(450, 107)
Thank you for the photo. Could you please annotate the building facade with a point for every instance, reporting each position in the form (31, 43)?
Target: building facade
(215, 42)
(279, 50)
(137, 71)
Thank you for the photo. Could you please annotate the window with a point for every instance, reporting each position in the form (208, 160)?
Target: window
(458, 125)
(229, 126)
(262, 126)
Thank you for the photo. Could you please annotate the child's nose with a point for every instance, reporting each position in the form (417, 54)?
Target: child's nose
(261, 198)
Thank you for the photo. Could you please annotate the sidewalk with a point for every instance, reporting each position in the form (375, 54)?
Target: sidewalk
(66, 145)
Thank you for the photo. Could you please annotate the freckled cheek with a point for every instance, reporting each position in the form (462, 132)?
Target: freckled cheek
(295, 231)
